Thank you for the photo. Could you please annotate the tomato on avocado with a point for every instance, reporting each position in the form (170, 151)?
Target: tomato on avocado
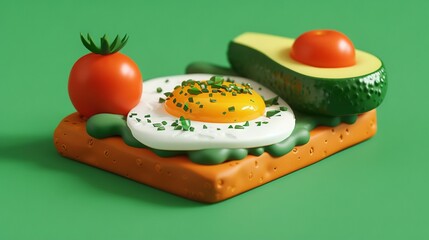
(324, 48)
(105, 81)
(318, 73)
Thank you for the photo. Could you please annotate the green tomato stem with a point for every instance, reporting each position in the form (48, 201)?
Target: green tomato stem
(105, 47)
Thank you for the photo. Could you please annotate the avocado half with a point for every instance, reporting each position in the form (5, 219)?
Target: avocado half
(325, 91)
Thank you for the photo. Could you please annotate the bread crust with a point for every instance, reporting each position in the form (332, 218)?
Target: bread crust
(204, 183)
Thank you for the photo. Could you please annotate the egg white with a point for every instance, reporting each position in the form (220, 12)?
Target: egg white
(216, 135)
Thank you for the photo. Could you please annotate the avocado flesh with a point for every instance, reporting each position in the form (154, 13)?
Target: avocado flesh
(326, 91)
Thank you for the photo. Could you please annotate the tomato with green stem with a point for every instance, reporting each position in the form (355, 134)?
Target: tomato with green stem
(105, 80)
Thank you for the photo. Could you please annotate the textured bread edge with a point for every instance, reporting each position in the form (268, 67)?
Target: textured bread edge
(204, 183)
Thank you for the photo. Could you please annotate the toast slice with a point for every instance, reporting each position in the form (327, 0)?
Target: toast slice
(204, 183)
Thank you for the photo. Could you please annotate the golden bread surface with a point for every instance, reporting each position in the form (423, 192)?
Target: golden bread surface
(204, 183)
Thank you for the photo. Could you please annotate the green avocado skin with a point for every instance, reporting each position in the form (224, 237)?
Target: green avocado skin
(331, 97)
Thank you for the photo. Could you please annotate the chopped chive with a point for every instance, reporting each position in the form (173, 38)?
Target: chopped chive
(258, 123)
(230, 126)
(185, 107)
(147, 116)
(186, 123)
(283, 108)
(238, 127)
(246, 124)
(191, 129)
(205, 90)
(166, 80)
(194, 91)
(210, 94)
(174, 100)
(168, 94)
(174, 124)
(158, 89)
(223, 113)
(190, 82)
(223, 94)
(204, 127)
(157, 124)
(191, 99)
(234, 94)
(215, 90)
(179, 105)
(148, 120)
(164, 123)
(231, 109)
(218, 79)
(212, 100)
(178, 127)
(138, 119)
(201, 106)
(218, 129)
(182, 119)
(272, 101)
(161, 128)
(265, 122)
(259, 88)
(198, 102)
(176, 87)
(161, 100)
(272, 113)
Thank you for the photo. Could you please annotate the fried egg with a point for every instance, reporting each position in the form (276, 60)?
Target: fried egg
(202, 111)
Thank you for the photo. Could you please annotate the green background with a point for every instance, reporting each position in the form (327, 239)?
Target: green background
(375, 190)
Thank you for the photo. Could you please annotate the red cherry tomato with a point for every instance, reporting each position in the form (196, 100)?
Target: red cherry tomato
(105, 83)
(324, 48)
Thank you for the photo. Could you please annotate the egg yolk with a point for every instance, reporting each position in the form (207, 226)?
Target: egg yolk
(216, 100)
